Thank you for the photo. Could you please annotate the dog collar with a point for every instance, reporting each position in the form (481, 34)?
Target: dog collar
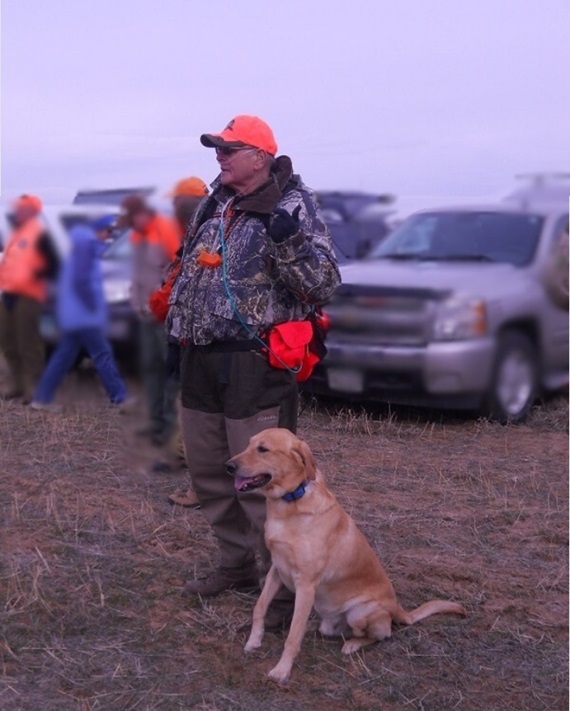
(298, 493)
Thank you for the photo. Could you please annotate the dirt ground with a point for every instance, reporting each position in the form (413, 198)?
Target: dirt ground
(93, 559)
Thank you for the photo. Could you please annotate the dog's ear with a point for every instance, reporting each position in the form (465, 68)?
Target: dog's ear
(303, 450)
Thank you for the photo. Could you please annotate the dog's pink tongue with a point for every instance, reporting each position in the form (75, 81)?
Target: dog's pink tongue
(239, 482)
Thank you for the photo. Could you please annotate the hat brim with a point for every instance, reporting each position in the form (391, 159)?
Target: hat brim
(214, 140)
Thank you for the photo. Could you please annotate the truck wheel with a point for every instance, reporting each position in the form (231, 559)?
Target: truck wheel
(514, 386)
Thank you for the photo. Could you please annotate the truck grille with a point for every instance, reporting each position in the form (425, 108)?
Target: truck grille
(382, 316)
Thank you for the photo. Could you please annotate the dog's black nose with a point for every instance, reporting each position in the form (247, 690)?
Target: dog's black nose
(231, 467)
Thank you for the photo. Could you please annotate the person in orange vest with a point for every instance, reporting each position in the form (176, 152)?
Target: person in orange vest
(29, 263)
(155, 239)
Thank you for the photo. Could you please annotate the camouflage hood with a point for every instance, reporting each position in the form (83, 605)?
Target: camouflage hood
(253, 283)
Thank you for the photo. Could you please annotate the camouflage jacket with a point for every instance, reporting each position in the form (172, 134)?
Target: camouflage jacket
(256, 283)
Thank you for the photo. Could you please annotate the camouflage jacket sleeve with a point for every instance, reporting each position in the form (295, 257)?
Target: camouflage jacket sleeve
(306, 262)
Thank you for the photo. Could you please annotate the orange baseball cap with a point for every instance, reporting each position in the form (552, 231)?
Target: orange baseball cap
(26, 200)
(191, 186)
(243, 130)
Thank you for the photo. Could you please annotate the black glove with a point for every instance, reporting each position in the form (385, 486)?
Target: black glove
(283, 225)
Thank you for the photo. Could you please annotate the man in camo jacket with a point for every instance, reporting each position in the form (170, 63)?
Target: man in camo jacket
(257, 254)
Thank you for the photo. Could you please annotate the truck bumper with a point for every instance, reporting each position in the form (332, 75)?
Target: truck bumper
(407, 374)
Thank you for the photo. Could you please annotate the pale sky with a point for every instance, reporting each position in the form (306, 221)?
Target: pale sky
(413, 97)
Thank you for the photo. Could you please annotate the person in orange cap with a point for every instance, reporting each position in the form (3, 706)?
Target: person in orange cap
(29, 262)
(155, 240)
(186, 196)
(257, 254)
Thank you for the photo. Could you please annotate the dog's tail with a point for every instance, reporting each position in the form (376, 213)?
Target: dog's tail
(433, 607)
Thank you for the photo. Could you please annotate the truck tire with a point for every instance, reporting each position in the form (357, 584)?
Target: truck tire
(514, 384)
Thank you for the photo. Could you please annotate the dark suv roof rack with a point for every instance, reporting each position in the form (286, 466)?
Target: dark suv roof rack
(111, 196)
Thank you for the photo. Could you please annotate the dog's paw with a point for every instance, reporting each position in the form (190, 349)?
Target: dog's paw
(351, 646)
(327, 628)
(280, 674)
(255, 638)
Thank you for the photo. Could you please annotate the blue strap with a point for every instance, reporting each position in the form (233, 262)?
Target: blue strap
(297, 494)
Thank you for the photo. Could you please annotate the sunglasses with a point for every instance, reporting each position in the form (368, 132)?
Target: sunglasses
(225, 151)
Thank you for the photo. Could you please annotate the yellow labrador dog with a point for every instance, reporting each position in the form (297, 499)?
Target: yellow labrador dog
(318, 552)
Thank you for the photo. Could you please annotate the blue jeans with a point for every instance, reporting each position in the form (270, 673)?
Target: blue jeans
(64, 356)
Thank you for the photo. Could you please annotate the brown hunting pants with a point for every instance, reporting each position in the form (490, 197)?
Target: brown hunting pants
(21, 342)
(226, 398)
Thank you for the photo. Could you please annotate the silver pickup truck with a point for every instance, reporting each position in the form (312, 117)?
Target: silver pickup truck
(453, 309)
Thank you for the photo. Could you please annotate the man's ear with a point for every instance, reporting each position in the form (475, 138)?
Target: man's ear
(261, 162)
(302, 449)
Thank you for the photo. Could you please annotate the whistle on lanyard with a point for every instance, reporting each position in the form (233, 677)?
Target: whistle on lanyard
(206, 259)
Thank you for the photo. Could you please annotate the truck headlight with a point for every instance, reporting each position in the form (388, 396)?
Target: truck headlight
(459, 318)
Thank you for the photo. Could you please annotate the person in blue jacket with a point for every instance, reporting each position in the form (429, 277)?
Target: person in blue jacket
(82, 318)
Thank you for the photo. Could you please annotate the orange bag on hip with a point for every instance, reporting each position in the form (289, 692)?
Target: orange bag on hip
(298, 345)
(158, 300)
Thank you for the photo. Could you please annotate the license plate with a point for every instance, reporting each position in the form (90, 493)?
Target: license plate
(345, 380)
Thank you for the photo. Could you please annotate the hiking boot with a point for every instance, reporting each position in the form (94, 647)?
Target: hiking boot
(49, 407)
(279, 614)
(244, 579)
(126, 406)
(161, 466)
(184, 497)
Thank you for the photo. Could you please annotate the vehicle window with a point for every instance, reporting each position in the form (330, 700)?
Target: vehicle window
(494, 236)
(70, 220)
(120, 248)
(331, 214)
(344, 241)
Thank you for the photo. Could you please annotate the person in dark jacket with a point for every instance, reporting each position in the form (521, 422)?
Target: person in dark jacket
(186, 197)
(258, 254)
(29, 264)
(82, 318)
(155, 239)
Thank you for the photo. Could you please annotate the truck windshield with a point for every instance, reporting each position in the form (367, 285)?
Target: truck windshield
(465, 235)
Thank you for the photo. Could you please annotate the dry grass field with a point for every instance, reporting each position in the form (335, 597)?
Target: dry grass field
(93, 559)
